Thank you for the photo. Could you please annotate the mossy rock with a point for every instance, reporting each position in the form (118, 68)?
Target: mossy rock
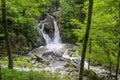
(90, 75)
(69, 65)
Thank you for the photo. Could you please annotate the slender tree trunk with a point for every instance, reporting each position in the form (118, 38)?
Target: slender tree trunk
(56, 4)
(0, 73)
(90, 53)
(81, 73)
(109, 59)
(118, 60)
(4, 23)
(110, 65)
(118, 57)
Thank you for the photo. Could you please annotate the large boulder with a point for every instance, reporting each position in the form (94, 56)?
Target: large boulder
(49, 27)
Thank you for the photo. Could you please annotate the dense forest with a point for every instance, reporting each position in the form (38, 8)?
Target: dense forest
(91, 25)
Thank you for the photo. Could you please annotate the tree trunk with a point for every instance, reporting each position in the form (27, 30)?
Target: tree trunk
(110, 66)
(4, 23)
(81, 73)
(118, 60)
(0, 73)
(89, 62)
(56, 4)
(118, 57)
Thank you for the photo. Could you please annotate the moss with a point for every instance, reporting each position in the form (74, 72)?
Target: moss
(69, 64)
(91, 75)
(19, 61)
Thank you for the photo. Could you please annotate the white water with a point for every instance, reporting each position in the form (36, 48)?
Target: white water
(57, 38)
(54, 43)
(45, 36)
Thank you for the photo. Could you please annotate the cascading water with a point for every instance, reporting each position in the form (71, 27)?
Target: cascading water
(46, 37)
(54, 43)
(57, 38)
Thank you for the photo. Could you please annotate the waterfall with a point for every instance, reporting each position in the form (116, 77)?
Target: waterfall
(55, 42)
(45, 36)
(57, 38)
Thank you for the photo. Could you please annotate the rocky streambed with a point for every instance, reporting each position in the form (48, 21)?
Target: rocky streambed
(60, 60)
(55, 59)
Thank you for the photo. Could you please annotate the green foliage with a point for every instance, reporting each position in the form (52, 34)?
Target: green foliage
(22, 61)
(71, 27)
(104, 32)
(3, 60)
(13, 74)
(104, 37)
(19, 61)
(1, 35)
(22, 16)
(8, 74)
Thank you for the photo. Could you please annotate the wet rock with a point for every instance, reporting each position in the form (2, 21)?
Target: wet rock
(58, 63)
(48, 55)
(103, 75)
(64, 59)
(38, 51)
(42, 17)
(76, 63)
(39, 59)
(72, 72)
(69, 46)
(49, 27)
(106, 76)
